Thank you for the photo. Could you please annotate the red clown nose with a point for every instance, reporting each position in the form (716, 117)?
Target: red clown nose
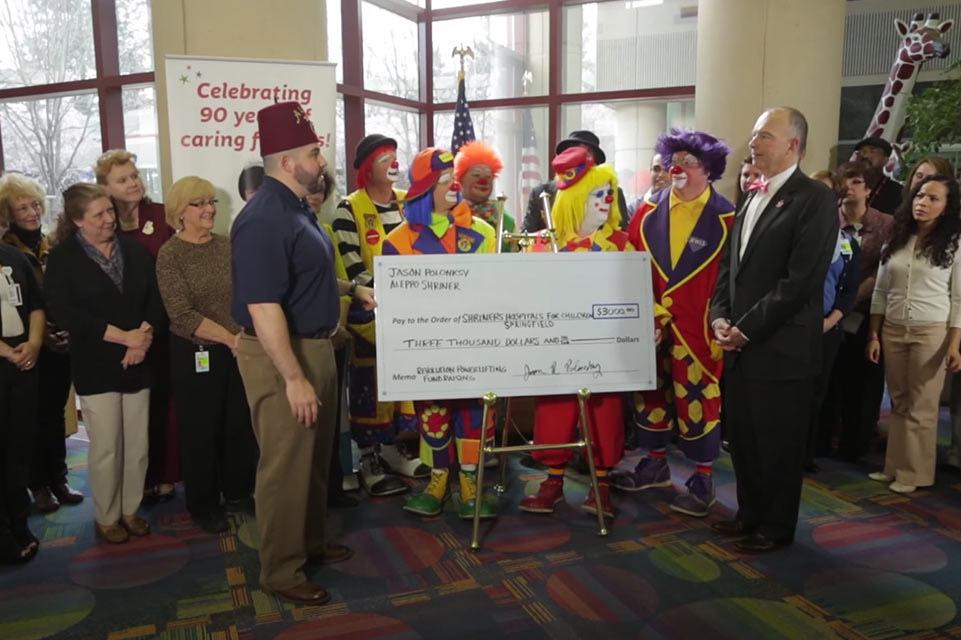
(609, 199)
(455, 186)
(394, 164)
(482, 182)
(676, 170)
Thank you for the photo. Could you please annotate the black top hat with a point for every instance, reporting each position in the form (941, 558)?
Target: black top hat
(370, 144)
(875, 141)
(583, 137)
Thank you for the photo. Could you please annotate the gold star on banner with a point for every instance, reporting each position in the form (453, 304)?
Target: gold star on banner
(184, 79)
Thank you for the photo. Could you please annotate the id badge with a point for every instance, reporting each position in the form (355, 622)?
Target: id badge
(202, 361)
(16, 298)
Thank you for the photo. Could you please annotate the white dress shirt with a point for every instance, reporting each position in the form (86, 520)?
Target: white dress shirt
(757, 204)
(909, 290)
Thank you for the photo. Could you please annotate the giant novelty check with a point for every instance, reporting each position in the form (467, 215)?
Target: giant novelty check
(459, 326)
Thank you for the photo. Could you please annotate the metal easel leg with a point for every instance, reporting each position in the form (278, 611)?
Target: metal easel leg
(501, 486)
(489, 400)
(583, 395)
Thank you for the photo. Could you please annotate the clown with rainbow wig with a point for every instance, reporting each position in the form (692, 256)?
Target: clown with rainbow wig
(684, 229)
(438, 221)
(586, 217)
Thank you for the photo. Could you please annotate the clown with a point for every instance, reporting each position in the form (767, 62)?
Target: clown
(684, 228)
(437, 221)
(586, 217)
(476, 166)
(362, 222)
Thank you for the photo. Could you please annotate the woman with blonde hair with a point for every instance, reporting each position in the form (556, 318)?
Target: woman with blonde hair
(22, 209)
(145, 222)
(100, 286)
(218, 450)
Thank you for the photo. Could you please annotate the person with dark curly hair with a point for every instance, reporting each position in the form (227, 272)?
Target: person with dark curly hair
(916, 320)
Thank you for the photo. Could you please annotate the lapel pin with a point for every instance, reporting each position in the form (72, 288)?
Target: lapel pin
(148, 228)
(779, 204)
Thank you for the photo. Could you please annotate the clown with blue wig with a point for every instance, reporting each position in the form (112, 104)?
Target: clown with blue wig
(438, 221)
(684, 229)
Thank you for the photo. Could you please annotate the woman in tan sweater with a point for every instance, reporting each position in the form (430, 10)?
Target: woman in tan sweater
(218, 449)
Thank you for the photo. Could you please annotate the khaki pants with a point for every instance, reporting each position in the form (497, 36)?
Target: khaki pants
(291, 490)
(117, 458)
(914, 370)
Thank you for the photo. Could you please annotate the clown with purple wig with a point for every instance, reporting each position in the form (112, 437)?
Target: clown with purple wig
(684, 229)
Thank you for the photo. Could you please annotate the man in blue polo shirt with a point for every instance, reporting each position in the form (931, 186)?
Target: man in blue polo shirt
(286, 296)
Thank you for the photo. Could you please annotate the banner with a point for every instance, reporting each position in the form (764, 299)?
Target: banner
(458, 326)
(212, 106)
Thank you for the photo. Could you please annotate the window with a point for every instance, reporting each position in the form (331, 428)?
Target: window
(520, 137)
(510, 56)
(390, 53)
(42, 42)
(612, 46)
(531, 78)
(628, 130)
(63, 101)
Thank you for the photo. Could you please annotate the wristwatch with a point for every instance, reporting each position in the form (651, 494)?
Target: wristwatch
(352, 289)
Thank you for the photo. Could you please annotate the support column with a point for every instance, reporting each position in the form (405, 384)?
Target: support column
(757, 54)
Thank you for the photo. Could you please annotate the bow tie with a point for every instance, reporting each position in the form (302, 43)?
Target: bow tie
(758, 186)
(583, 243)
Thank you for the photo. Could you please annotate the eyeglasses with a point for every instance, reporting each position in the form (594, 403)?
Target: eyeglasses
(200, 204)
(688, 162)
(36, 205)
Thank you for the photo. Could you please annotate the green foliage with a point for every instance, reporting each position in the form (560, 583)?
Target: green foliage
(934, 116)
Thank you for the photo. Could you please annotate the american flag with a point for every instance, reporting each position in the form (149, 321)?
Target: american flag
(463, 125)
(530, 162)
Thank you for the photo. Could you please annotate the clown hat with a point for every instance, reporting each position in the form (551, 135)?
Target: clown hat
(426, 170)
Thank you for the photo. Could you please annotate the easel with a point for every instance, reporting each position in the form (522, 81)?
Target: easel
(489, 399)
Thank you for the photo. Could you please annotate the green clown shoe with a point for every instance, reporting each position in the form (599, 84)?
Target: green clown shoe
(431, 501)
(468, 498)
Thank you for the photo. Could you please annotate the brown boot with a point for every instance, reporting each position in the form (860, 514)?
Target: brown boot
(112, 533)
(135, 525)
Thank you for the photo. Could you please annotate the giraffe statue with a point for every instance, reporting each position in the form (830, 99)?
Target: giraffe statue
(922, 40)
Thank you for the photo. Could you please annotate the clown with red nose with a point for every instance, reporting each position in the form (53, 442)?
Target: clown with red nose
(684, 229)
(586, 217)
(476, 167)
(361, 223)
(439, 221)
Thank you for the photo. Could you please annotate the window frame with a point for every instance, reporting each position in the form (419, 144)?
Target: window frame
(354, 94)
(107, 81)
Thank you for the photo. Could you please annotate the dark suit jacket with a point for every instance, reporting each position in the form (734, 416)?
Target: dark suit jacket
(84, 301)
(534, 216)
(774, 294)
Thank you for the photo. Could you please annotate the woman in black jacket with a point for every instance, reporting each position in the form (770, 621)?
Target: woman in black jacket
(101, 288)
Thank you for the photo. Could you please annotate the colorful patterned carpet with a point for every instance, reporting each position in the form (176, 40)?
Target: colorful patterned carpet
(867, 564)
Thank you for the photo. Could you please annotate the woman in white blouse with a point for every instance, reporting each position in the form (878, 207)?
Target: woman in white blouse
(916, 307)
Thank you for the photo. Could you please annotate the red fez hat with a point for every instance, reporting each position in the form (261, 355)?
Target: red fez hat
(284, 126)
(570, 166)
(426, 170)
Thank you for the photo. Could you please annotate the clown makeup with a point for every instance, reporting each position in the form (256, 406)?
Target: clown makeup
(478, 183)
(446, 192)
(385, 167)
(596, 210)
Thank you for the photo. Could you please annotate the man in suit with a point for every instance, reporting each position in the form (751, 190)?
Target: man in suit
(766, 315)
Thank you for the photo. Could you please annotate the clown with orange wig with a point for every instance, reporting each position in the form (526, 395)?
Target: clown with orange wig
(586, 218)
(362, 222)
(476, 166)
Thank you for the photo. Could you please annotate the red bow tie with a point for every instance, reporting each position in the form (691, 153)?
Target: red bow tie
(583, 243)
(758, 186)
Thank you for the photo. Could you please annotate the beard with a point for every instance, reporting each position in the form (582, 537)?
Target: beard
(309, 181)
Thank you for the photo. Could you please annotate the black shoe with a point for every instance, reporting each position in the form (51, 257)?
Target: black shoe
(811, 467)
(237, 505)
(212, 521)
(732, 528)
(759, 543)
(44, 500)
(66, 494)
(340, 500)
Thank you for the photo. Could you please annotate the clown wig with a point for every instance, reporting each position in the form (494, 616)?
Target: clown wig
(473, 154)
(364, 170)
(569, 203)
(709, 150)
